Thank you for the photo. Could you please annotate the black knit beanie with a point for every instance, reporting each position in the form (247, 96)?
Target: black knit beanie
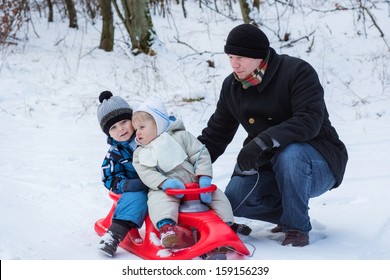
(112, 110)
(247, 40)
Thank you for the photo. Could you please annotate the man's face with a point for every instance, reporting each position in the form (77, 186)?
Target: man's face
(243, 66)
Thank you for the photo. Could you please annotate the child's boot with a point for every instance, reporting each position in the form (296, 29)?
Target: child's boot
(109, 243)
(168, 236)
(111, 239)
(174, 237)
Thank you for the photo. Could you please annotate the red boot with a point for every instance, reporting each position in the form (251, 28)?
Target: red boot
(175, 237)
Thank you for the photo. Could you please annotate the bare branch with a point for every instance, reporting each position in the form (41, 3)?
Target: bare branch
(307, 37)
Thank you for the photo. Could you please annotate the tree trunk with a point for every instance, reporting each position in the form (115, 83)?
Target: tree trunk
(91, 10)
(50, 6)
(183, 8)
(138, 22)
(72, 13)
(250, 11)
(107, 35)
(245, 11)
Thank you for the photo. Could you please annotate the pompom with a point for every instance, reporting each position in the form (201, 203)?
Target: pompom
(105, 95)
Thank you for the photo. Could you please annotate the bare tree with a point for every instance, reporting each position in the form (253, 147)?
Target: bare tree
(92, 7)
(50, 7)
(364, 10)
(138, 22)
(245, 11)
(107, 35)
(247, 8)
(72, 13)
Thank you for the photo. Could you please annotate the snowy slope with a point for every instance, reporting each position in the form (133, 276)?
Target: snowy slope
(52, 147)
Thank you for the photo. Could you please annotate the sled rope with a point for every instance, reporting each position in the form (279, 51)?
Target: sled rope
(239, 253)
(253, 188)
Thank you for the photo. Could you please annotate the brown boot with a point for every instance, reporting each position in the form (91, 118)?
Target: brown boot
(277, 229)
(296, 238)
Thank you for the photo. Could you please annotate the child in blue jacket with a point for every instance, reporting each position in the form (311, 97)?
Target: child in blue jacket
(118, 174)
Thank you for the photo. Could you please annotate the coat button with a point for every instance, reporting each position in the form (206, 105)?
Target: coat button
(251, 120)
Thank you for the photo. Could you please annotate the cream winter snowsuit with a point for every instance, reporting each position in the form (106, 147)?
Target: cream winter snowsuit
(177, 154)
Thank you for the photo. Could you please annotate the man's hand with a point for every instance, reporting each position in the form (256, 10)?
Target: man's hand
(253, 155)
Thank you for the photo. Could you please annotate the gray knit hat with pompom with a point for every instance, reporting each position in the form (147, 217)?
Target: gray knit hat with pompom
(112, 110)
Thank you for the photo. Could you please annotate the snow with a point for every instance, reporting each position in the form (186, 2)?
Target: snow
(52, 146)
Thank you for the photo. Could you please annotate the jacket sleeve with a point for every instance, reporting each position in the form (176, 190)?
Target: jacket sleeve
(198, 154)
(115, 179)
(131, 185)
(110, 172)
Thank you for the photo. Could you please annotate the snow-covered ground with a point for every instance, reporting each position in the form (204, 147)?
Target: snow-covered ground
(52, 147)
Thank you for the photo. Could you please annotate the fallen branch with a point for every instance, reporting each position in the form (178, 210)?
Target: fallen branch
(291, 43)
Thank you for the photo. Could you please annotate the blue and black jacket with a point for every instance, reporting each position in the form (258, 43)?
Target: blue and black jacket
(120, 177)
(118, 173)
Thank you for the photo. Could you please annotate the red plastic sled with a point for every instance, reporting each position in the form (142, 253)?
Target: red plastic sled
(211, 231)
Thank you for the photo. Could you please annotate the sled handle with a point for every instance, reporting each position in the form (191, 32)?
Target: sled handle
(191, 188)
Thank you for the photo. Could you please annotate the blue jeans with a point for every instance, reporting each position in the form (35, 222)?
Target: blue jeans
(281, 195)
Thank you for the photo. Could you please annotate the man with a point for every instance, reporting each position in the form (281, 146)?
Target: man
(292, 153)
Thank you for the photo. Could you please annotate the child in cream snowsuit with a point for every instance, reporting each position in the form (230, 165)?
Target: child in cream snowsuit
(168, 156)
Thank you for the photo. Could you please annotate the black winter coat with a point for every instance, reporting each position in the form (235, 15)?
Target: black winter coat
(288, 105)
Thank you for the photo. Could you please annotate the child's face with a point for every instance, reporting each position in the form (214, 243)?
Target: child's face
(122, 130)
(146, 131)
